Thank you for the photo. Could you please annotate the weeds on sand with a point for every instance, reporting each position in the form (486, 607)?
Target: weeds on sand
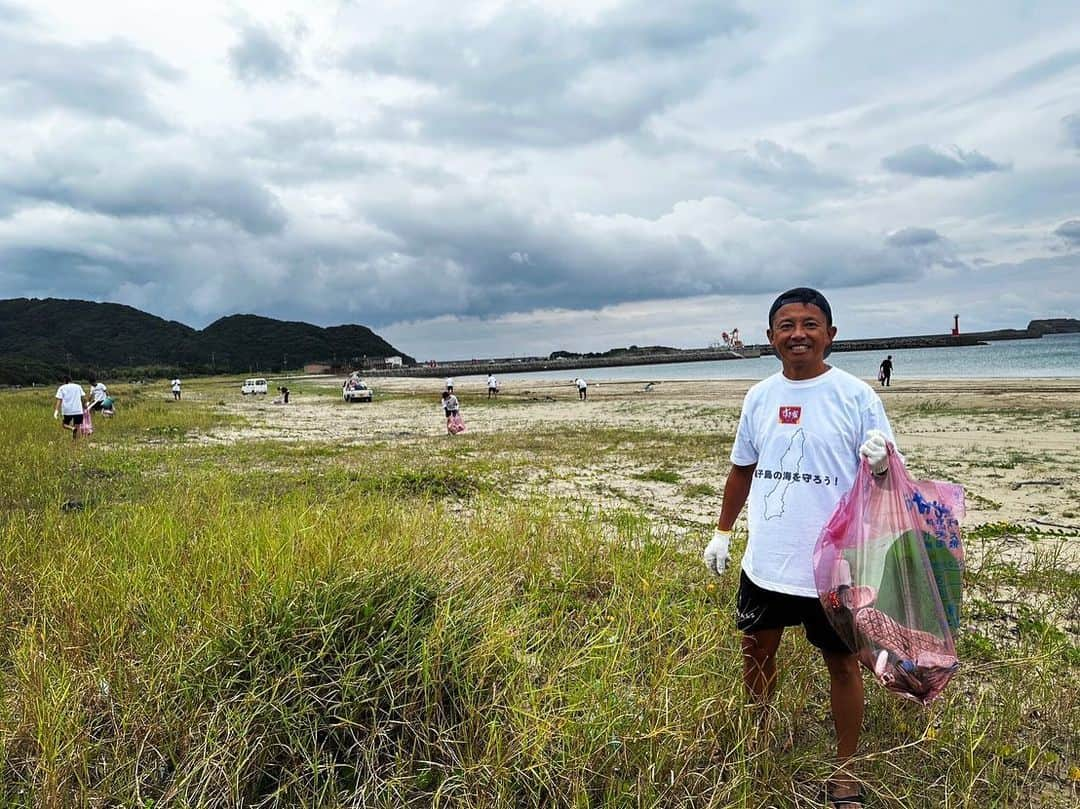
(699, 490)
(660, 476)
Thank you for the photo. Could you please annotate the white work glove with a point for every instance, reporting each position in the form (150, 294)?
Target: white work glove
(876, 452)
(56, 414)
(718, 551)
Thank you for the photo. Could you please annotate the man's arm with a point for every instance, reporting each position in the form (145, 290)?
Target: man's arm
(736, 490)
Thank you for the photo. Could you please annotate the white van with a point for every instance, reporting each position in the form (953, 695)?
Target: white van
(253, 386)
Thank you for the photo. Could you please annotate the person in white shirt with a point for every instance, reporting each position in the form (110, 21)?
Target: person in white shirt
(582, 388)
(449, 384)
(70, 403)
(175, 388)
(492, 385)
(98, 393)
(797, 449)
(451, 410)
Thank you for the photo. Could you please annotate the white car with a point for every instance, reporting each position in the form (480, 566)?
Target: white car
(356, 390)
(253, 386)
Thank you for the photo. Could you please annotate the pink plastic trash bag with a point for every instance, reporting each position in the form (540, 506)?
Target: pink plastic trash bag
(87, 426)
(889, 570)
(456, 424)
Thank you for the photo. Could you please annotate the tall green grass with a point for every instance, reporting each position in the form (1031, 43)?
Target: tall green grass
(209, 634)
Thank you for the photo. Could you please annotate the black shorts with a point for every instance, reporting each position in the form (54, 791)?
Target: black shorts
(758, 609)
(74, 419)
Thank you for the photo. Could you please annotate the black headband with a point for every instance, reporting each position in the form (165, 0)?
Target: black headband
(802, 295)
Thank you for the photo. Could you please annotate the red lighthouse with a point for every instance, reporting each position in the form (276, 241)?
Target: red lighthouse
(956, 325)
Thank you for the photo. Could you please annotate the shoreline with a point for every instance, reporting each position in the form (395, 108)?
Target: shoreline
(906, 385)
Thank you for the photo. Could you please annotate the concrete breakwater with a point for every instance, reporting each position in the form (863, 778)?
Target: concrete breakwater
(570, 364)
(916, 341)
(1035, 330)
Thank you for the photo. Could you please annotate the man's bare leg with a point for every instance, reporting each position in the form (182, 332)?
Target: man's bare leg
(759, 663)
(846, 697)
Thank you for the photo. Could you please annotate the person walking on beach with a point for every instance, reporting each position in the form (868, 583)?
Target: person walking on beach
(98, 394)
(70, 403)
(449, 384)
(582, 388)
(801, 435)
(492, 385)
(176, 389)
(885, 371)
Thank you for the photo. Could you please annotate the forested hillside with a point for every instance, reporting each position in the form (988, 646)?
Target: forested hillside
(41, 339)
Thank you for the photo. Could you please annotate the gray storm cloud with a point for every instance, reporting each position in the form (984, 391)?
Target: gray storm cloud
(1069, 231)
(111, 79)
(129, 185)
(913, 237)
(260, 55)
(770, 163)
(529, 77)
(483, 257)
(950, 162)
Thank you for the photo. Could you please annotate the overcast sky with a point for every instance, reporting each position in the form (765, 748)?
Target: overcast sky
(490, 178)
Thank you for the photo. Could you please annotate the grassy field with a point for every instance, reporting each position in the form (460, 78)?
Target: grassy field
(430, 622)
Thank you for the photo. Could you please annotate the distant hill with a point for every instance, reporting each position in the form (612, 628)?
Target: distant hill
(40, 339)
(1055, 325)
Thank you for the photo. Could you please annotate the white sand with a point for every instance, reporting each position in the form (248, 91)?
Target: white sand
(1022, 431)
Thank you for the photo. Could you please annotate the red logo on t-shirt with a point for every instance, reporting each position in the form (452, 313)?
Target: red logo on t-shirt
(790, 414)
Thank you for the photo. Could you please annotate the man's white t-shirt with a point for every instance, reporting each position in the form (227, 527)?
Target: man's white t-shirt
(804, 437)
(97, 393)
(70, 396)
(176, 385)
(581, 383)
(449, 382)
(492, 383)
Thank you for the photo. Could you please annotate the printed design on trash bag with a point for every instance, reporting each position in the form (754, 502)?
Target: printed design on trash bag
(944, 550)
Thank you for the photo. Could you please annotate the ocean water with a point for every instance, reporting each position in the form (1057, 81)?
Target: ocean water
(1056, 355)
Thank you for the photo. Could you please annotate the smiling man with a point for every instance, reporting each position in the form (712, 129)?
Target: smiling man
(798, 446)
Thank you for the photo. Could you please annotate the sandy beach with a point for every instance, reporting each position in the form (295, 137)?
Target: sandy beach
(1011, 443)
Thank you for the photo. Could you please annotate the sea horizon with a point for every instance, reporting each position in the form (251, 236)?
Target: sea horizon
(1053, 356)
